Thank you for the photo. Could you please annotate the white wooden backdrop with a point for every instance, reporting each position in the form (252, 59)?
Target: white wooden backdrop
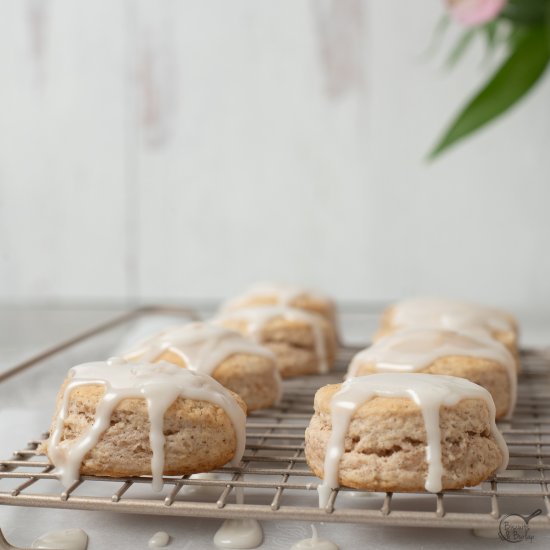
(154, 149)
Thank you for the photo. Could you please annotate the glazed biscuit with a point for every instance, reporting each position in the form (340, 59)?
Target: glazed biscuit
(121, 419)
(451, 315)
(383, 444)
(475, 357)
(236, 362)
(304, 343)
(277, 294)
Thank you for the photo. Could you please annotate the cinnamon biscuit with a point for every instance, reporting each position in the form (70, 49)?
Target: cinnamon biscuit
(451, 315)
(475, 356)
(236, 362)
(304, 343)
(376, 432)
(278, 294)
(116, 418)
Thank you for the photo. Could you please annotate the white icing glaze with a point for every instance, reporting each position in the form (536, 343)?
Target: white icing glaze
(160, 384)
(428, 391)
(159, 540)
(239, 533)
(201, 346)
(314, 543)
(284, 294)
(258, 317)
(66, 539)
(415, 349)
(448, 314)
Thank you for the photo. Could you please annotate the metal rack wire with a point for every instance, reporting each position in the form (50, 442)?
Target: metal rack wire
(277, 484)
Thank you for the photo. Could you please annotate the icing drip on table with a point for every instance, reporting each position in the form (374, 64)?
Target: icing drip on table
(428, 391)
(66, 539)
(416, 349)
(159, 540)
(314, 543)
(448, 314)
(239, 533)
(160, 384)
(258, 317)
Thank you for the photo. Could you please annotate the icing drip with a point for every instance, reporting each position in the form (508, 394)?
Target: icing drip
(314, 543)
(448, 314)
(413, 350)
(160, 384)
(258, 317)
(201, 346)
(239, 533)
(66, 539)
(428, 391)
(159, 540)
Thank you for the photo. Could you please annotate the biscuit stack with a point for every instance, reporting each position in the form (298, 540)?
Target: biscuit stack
(298, 325)
(177, 403)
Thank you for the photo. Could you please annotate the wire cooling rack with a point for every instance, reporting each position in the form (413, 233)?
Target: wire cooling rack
(274, 482)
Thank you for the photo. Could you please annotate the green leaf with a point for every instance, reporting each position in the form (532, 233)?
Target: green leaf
(525, 12)
(509, 84)
(460, 48)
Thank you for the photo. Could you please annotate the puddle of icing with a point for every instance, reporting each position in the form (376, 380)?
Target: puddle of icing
(239, 533)
(65, 539)
(159, 540)
(315, 543)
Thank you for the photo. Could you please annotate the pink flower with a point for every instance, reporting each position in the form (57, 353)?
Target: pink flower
(474, 12)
